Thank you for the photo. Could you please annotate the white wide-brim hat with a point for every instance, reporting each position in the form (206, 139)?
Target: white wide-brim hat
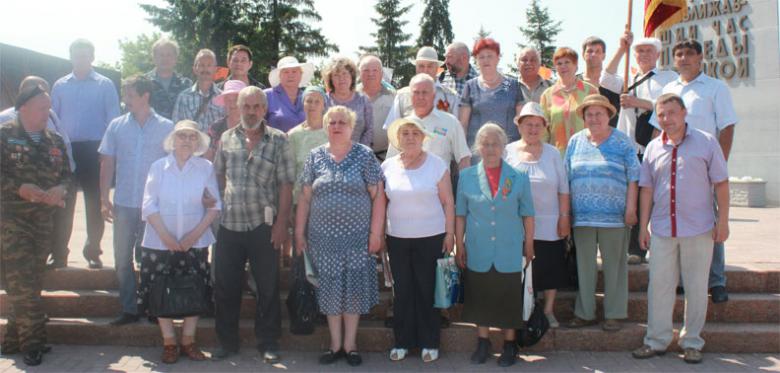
(392, 130)
(291, 62)
(655, 42)
(427, 54)
(188, 125)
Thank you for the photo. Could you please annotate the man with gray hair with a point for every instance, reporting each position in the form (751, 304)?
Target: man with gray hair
(379, 95)
(531, 83)
(458, 69)
(167, 83)
(426, 62)
(255, 167)
(447, 139)
(195, 103)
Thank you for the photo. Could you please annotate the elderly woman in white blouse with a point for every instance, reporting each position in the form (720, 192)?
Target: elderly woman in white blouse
(179, 222)
(550, 190)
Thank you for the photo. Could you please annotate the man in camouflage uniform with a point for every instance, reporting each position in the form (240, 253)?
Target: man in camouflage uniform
(35, 172)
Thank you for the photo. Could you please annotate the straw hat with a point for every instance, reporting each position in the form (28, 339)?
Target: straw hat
(597, 100)
(392, 130)
(531, 109)
(428, 54)
(188, 125)
(231, 86)
(290, 62)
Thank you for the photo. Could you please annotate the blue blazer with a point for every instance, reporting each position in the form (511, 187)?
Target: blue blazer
(494, 226)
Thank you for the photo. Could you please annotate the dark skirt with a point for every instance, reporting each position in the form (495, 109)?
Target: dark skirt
(493, 299)
(549, 270)
(153, 262)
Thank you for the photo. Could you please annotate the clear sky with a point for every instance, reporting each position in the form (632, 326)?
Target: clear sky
(48, 26)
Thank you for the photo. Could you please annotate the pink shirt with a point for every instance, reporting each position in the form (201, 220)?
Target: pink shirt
(682, 177)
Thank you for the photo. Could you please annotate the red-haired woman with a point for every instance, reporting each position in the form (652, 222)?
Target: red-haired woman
(490, 97)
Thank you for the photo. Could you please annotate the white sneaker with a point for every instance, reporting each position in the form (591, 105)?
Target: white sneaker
(430, 354)
(398, 354)
(551, 319)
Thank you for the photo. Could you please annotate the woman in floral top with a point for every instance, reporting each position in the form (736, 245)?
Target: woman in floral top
(560, 101)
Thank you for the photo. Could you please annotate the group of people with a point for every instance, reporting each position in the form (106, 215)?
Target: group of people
(499, 171)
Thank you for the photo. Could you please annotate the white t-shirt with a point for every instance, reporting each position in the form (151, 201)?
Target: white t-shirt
(414, 209)
(548, 179)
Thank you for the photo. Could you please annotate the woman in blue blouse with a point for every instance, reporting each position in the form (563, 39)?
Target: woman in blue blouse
(494, 227)
(603, 172)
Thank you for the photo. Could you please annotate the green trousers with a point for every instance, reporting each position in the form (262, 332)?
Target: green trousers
(613, 245)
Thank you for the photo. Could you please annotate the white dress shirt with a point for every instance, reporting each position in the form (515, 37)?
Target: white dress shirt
(176, 194)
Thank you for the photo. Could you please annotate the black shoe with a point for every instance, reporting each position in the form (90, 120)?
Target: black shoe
(125, 319)
(94, 263)
(330, 357)
(354, 359)
(483, 350)
(34, 357)
(509, 355)
(271, 356)
(719, 294)
(151, 319)
(222, 353)
(56, 263)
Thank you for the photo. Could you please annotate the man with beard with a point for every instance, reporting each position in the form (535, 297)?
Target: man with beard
(459, 70)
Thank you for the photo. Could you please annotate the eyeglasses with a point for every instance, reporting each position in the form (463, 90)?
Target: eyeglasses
(187, 136)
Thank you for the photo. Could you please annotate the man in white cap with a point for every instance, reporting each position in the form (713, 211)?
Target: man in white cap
(426, 62)
(636, 105)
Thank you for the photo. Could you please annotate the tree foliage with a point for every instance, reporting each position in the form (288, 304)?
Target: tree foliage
(271, 28)
(391, 41)
(540, 31)
(435, 26)
(137, 54)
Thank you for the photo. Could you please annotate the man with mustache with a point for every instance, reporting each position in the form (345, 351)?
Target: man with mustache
(196, 103)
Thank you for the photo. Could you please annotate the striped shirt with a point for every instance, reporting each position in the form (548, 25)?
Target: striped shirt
(188, 106)
(252, 177)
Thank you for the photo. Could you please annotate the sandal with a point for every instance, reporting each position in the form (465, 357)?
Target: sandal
(430, 354)
(193, 352)
(170, 354)
(398, 354)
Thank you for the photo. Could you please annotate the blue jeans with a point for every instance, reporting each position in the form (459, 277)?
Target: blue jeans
(128, 233)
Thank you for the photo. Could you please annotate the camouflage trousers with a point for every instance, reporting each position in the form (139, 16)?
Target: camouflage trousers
(24, 246)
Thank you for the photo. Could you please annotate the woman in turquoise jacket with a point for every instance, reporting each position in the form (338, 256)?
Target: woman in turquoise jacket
(494, 214)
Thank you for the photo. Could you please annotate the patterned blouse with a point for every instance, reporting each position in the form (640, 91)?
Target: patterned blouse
(560, 110)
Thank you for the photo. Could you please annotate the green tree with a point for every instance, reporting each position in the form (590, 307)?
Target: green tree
(435, 26)
(391, 41)
(482, 33)
(540, 31)
(271, 28)
(137, 54)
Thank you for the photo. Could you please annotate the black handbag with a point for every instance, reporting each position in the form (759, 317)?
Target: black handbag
(571, 265)
(537, 325)
(301, 301)
(175, 295)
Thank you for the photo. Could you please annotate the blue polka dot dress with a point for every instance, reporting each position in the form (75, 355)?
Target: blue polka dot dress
(338, 228)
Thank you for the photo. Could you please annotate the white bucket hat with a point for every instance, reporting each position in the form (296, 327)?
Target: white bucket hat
(428, 54)
(188, 125)
(531, 109)
(290, 62)
(392, 130)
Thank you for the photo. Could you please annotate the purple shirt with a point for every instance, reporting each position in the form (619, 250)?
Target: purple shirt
(682, 178)
(363, 131)
(283, 114)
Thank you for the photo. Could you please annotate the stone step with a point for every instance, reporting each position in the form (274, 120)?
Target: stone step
(373, 336)
(741, 308)
(740, 280)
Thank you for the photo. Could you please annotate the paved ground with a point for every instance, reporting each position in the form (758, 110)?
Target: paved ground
(134, 359)
(753, 245)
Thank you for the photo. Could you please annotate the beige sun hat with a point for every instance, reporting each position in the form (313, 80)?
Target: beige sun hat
(392, 130)
(188, 125)
(531, 109)
(595, 100)
(428, 54)
(290, 62)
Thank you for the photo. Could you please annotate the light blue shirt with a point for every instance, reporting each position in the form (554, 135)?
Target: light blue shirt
(599, 178)
(134, 149)
(85, 107)
(494, 226)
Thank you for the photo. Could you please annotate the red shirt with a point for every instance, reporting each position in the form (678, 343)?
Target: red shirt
(494, 176)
